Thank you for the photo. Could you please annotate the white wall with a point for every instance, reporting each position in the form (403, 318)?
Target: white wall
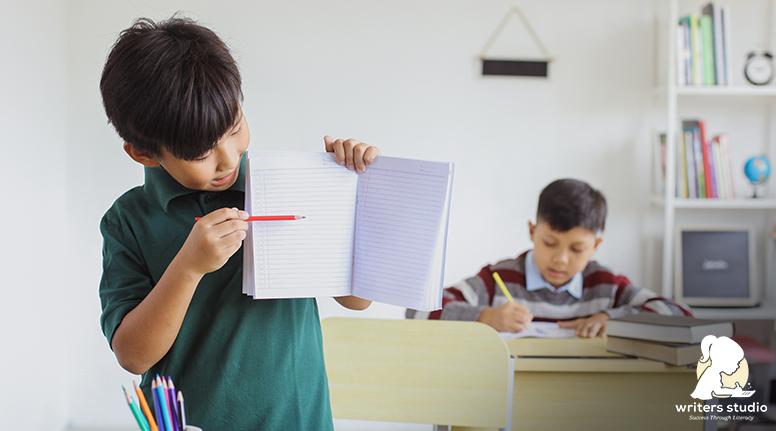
(34, 232)
(401, 75)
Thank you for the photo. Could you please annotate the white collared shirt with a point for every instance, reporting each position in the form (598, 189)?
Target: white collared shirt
(535, 281)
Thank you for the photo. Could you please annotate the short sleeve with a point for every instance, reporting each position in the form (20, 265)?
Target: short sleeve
(126, 279)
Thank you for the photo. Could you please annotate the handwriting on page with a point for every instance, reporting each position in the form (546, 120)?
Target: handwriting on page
(398, 219)
(312, 253)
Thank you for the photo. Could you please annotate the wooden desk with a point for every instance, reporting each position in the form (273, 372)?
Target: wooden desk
(575, 384)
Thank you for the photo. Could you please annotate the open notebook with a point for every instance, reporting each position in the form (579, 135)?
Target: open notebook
(380, 235)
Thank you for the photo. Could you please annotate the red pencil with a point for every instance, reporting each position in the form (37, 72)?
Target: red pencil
(269, 218)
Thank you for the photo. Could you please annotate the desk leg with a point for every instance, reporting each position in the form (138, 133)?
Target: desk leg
(710, 424)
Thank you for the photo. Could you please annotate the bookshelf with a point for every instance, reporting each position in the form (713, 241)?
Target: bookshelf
(685, 98)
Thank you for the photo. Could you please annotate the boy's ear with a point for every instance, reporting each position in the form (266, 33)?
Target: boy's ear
(597, 242)
(531, 228)
(140, 156)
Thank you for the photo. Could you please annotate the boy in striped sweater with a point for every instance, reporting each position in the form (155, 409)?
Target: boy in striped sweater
(556, 281)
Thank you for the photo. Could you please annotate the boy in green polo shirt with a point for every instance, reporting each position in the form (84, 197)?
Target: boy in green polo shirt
(171, 288)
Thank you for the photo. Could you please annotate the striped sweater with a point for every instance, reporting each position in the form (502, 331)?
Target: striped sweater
(602, 290)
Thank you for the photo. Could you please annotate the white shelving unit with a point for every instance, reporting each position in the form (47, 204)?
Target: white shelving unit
(711, 95)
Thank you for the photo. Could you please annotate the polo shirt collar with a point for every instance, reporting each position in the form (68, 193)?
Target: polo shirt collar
(535, 281)
(164, 188)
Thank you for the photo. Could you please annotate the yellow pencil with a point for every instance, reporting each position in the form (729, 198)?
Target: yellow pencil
(501, 285)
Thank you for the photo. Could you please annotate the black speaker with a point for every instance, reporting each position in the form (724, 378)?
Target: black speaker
(715, 266)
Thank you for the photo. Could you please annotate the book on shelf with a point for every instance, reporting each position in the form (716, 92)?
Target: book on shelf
(725, 19)
(659, 164)
(722, 143)
(693, 139)
(379, 235)
(667, 329)
(707, 39)
(708, 161)
(702, 42)
(678, 354)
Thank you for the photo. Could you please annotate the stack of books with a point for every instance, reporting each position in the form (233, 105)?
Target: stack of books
(671, 339)
(703, 47)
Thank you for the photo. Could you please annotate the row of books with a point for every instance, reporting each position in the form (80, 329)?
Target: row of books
(703, 164)
(671, 339)
(703, 47)
(704, 168)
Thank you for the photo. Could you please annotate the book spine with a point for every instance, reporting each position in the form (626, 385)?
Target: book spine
(707, 39)
(727, 165)
(719, 57)
(681, 161)
(689, 76)
(726, 44)
(698, 154)
(708, 169)
(697, 51)
(719, 172)
(692, 176)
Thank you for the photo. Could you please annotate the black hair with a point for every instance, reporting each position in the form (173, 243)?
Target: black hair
(173, 85)
(567, 203)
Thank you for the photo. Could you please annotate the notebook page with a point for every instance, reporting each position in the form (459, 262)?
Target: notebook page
(401, 205)
(312, 257)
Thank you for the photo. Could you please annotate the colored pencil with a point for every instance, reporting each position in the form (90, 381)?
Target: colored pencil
(163, 402)
(135, 411)
(173, 404)
(181, 411)
(144, 406)
(157, 405)
(502, 286)
(269, 218)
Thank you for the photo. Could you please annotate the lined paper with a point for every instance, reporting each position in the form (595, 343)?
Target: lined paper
(296, 257)
(380, 235)
(401, 206)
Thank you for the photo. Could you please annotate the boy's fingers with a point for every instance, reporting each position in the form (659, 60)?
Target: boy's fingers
(338, 149)
(224, 229)
(567, 323)
(225, 214)
(350, 146)
(233, 240)
(328, 142)
(370, 154)
(358, 157)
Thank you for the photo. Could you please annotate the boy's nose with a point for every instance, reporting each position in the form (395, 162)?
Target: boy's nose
(562, 257)
(227, 159)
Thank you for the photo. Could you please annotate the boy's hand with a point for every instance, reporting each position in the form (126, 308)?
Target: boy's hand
(214, 239)
(588, 327)
(351, 153)
(510, 317)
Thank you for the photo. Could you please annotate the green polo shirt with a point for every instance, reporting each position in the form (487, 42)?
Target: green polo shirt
(242, 364)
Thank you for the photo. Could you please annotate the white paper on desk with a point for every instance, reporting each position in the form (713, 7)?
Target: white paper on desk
(541, 330)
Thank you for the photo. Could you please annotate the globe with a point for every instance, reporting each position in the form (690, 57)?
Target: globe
(757, 169)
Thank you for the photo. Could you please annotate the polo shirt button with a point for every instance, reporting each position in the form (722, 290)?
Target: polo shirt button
(209, 199)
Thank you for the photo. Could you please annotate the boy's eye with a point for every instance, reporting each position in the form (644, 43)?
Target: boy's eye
(548, 244)
(576, 250)
(237, 131)
(203, 158)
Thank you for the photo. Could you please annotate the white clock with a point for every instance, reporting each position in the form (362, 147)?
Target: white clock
(758, 68)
